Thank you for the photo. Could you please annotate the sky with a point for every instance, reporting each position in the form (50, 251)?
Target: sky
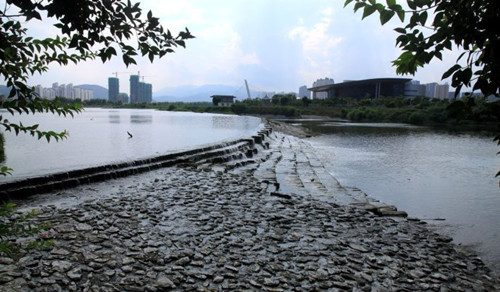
(277, 45)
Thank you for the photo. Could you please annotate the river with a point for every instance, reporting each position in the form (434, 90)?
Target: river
(428, 173)
(99, 136)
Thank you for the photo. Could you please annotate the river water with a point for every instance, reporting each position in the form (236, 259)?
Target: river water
(99, 136)
(429, 174)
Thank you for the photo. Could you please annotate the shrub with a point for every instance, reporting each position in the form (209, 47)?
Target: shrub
(416, 118)
(239, 108)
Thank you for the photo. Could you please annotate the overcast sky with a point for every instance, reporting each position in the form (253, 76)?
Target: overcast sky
(277, 45)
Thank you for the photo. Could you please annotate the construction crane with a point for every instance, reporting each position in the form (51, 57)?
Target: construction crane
(248, 90)
(146, 76)
(116, 73)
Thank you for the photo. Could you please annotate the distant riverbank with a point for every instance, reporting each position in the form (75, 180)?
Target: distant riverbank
(471, 114)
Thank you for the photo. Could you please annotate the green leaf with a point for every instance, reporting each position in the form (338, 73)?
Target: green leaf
(423, 18)
(401, 13)
(359, 5)
(385, 16)
(347, 2)
(400, 30)
(411, 4)
(369, 9)
(450, 71)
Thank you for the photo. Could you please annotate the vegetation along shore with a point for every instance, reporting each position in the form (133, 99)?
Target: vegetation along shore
(467, 113)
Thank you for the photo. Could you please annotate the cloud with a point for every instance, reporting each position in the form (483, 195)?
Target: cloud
(277, 45)
(318, 45)
(316, 40)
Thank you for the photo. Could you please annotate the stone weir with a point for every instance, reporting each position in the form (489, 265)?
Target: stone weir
(237, 153)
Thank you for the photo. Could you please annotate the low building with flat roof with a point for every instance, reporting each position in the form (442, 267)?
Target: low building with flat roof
(371, 88)
(224, 100)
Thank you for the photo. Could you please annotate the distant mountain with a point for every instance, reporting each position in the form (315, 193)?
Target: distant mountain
(99, 91)
(190, 93)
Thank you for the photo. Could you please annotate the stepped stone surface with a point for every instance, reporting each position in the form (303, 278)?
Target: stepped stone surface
(275, 221)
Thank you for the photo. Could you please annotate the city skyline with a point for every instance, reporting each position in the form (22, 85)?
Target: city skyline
(277, 46)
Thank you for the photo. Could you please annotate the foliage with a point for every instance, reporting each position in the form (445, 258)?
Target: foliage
(4, 170)
(239, 108)
(88, 30)
(2, 150)
(216, 100)
(15, 226)
(469, 25)
(305, 101)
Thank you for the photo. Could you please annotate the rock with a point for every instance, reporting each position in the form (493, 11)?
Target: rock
(232, 269)
(164, 282)
(182, 261)
(113, 229)
(62, 266)
(128, 260)
(255, 284)
(390, 211)
(6, 261)
(83, 227)
(59, 251)
(271, 282)
(127, 269)
(417, 274)
(358, 247)
(75, 274)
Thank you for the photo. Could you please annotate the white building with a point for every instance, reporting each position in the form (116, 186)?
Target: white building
(435, 90)
(321, 82)
(63, 90)
(303, 91)
(443, 91)
(430, 89)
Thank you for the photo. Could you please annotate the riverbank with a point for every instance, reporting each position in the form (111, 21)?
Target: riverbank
(278, 224)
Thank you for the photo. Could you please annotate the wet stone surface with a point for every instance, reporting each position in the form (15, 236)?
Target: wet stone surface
(186, 229)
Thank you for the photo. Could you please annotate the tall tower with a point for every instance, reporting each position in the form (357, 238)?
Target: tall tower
(149, 92)
(113, 89)
(134, 89)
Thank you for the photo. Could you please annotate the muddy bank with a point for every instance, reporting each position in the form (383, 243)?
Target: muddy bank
(288, 129)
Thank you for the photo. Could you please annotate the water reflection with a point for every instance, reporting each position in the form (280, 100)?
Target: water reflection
(141, 119)
(228, 122)
(222, 122)
(114, 118)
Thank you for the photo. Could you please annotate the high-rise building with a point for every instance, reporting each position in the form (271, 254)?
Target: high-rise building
(140, 91)
(430, 89)
(414, 88)
(321, 82)
(113, 89)
(303, 91)
(63, 90)
(148, 95)
(443, 91)
(134, 89)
